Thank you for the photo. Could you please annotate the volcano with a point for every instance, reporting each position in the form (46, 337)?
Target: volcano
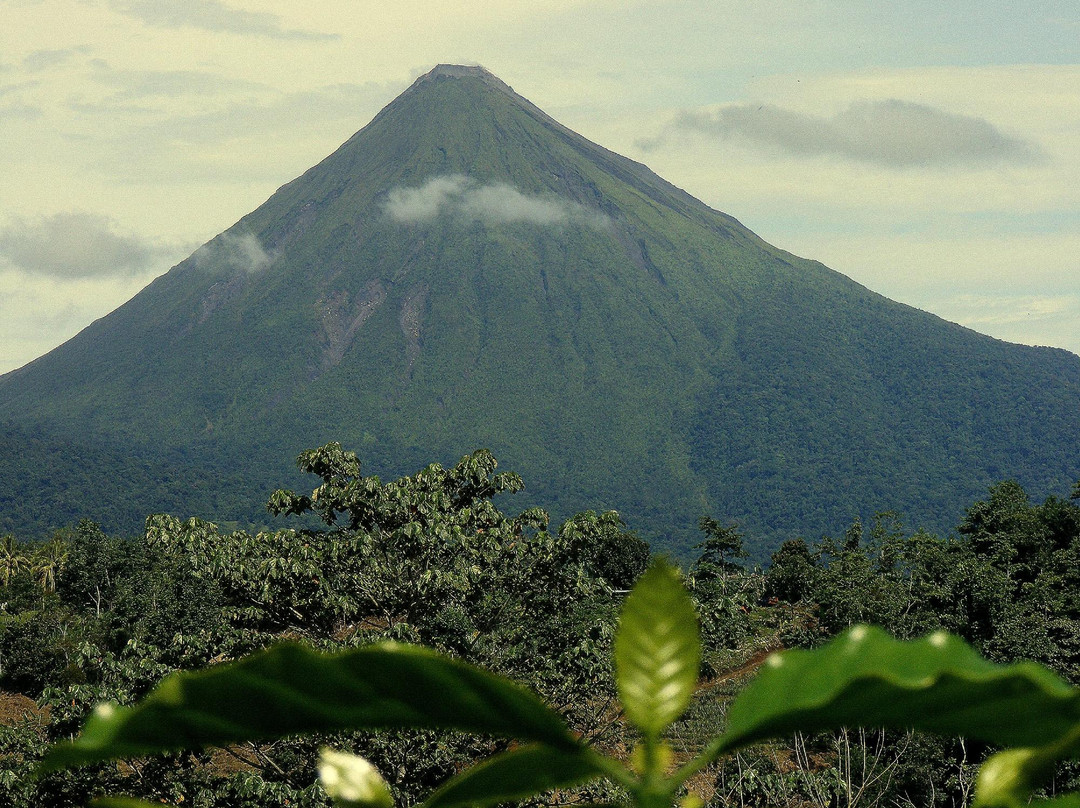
(466, 272)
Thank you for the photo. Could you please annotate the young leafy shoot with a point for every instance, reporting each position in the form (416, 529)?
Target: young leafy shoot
(657, 651)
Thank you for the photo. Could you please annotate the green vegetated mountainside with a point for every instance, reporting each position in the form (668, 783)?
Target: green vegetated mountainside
(466, 272)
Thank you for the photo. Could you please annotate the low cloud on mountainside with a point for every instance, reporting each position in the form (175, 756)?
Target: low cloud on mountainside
(460, 196)
(78, 245)
(231, 251)
(889, 132)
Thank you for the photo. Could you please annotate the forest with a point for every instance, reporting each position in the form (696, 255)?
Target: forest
(433, 559)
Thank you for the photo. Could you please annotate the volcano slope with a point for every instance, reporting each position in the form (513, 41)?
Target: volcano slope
(466, 272)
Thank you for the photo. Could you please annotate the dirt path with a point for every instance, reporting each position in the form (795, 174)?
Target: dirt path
(742, 671)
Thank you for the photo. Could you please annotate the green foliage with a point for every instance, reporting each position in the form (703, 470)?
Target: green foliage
(433, 560)
(609, 551)
(863, 678)
(791, 574)
(33, 650)
(514, 775)
(721, 547)
(1007, 583)
(723, 592)
(94, 568)
(12, 559)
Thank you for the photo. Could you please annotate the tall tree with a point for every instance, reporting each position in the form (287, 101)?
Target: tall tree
(12, 559)
(48, 560)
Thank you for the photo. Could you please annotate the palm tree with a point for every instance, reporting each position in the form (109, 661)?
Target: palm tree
(48, 560)
(12, 561)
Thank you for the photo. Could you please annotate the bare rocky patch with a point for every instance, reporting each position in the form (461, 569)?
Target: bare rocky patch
(341, 317)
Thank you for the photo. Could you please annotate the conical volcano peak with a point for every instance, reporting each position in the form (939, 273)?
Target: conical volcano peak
(463, 120)
(465, 72)
(458, 71)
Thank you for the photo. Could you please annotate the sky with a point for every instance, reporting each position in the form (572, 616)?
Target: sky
(929, 150)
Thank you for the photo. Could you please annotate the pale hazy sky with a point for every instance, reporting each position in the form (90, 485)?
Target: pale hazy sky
(929, 149)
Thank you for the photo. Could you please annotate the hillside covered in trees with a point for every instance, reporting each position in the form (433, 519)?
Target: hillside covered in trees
(430, 558)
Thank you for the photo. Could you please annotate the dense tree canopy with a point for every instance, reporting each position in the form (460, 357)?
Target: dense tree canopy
(428, 558)
(432, 558)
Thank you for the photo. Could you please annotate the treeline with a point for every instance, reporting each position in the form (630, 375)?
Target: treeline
(430, 559)
(1008, 582)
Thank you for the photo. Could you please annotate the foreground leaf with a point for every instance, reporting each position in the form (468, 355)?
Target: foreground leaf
(657, 650)
(866, 678)
(291, 689)
(1008, 778)
(515, 775)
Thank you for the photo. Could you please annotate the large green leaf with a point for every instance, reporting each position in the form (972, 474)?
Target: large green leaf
(866, 678)
(515, 775)
(290, 689)
(657, 650)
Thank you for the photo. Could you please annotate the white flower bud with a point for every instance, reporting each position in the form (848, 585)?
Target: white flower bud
(352, 782)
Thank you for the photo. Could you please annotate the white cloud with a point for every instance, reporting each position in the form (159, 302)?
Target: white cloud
(981, 232)
(211, 15)
(18, 110)
(77, 245)
(232, 251)
(46, 58)
(496, 203)
(888, 132)
(1012, 309)
(426, 202)
(504, 204)
(142, 84)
